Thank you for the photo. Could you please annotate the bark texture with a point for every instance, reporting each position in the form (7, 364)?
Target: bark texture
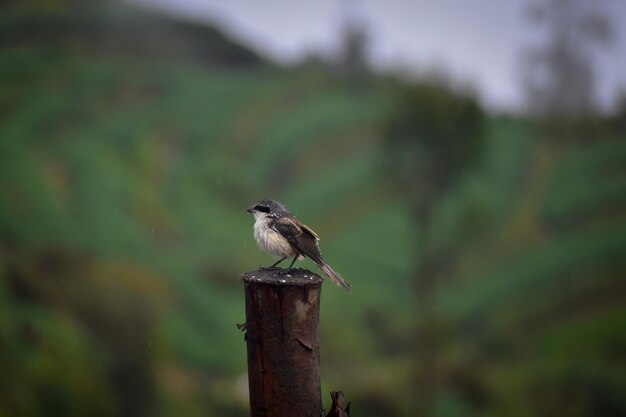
(282, 335)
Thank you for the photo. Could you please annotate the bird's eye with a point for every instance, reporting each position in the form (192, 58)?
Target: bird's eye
(262, 208)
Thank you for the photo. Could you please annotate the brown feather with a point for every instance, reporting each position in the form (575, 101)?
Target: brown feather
(305, 241)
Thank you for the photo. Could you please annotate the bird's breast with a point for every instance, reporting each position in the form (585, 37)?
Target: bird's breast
(271, 241)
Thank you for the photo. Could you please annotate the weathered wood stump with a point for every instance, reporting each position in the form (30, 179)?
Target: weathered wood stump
(282, 333)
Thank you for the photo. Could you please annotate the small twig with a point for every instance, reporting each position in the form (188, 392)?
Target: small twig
(339, 407)
(243, 328)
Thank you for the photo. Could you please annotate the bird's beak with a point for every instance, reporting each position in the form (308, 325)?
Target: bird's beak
(250, 210)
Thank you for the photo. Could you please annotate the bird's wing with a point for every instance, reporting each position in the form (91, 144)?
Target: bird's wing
(304, 240)
(307, 229)
(301, 237)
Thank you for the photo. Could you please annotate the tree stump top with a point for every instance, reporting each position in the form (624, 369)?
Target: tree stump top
(282, 277)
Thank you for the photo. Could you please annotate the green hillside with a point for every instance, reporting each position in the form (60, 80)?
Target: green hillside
(123, 233)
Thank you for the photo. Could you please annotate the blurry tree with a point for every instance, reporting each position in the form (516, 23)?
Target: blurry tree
(617, 120)
(353, 60)
(558, 75)
(432, 137)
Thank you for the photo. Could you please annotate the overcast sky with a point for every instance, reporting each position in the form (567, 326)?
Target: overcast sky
(477, 41)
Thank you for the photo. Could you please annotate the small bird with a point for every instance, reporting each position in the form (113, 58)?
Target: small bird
(281, 234)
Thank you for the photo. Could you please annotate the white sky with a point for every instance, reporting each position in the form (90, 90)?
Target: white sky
(477, 41)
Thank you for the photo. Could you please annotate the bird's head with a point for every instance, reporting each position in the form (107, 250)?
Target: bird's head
(266, 208)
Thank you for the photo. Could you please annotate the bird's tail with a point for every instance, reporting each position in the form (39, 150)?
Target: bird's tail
(335, 277)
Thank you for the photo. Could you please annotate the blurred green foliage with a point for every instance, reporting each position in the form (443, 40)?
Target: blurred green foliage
(123, 183)
(434, 136)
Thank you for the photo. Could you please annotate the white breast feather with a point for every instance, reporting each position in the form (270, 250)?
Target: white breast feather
(269, 240)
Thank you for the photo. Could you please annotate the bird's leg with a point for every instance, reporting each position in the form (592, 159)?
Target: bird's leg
(292, 262)
(279, 261)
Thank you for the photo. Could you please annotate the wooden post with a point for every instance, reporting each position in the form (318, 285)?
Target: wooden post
(282, 333)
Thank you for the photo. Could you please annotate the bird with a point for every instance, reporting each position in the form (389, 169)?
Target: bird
(280, 234)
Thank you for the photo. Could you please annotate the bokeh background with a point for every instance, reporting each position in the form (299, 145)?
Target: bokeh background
(464, 165)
